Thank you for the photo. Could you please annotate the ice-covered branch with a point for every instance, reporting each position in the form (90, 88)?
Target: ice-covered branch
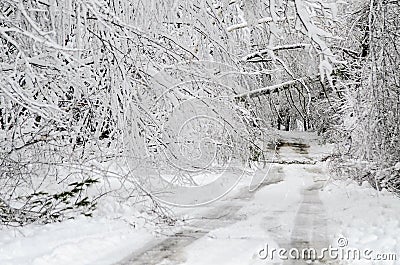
(315, 33)
(260, 53)
(245, 24)
(267, 90)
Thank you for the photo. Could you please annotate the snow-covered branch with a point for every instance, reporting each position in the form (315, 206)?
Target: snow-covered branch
(261, 53)
(245, 24)
(267, 90)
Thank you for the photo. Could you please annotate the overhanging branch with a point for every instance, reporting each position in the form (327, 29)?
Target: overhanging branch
(260, 53)
(245, 24)
(267, 90)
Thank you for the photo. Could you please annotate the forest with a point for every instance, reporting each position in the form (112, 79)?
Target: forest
(104, 98)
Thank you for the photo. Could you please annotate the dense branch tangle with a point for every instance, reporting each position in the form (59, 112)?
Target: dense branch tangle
(292, 38)
(76, 74)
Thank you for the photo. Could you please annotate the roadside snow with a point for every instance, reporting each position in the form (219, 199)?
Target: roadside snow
(79, 241)
(368, 219)
(115, 231)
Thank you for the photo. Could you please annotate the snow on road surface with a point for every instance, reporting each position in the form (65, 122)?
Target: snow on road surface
(299, 206)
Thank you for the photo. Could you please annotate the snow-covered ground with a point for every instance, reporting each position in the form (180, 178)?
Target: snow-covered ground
(368, 219)
(78, 241)
(299, 203)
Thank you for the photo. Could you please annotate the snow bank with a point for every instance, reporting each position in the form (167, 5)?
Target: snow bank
(115, 232)
(80, 241)
(368, 219)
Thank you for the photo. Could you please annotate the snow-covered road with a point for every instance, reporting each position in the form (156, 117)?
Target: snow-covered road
(298, 207)
(284, 211)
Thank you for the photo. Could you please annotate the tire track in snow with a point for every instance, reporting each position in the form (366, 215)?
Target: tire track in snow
(309, 231)
(310, 228)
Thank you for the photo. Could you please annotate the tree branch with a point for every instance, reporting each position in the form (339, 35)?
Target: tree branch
(267, 90)
(245, 24)
(260, 53)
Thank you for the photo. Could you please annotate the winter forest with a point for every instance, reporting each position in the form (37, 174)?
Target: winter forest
(141, 115)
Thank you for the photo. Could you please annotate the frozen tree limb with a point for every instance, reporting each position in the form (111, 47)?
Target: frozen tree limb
(261, 53)
(245, 24)
(267, 90)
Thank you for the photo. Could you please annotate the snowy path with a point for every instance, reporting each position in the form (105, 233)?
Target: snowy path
(296, 207)
(285, 207)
